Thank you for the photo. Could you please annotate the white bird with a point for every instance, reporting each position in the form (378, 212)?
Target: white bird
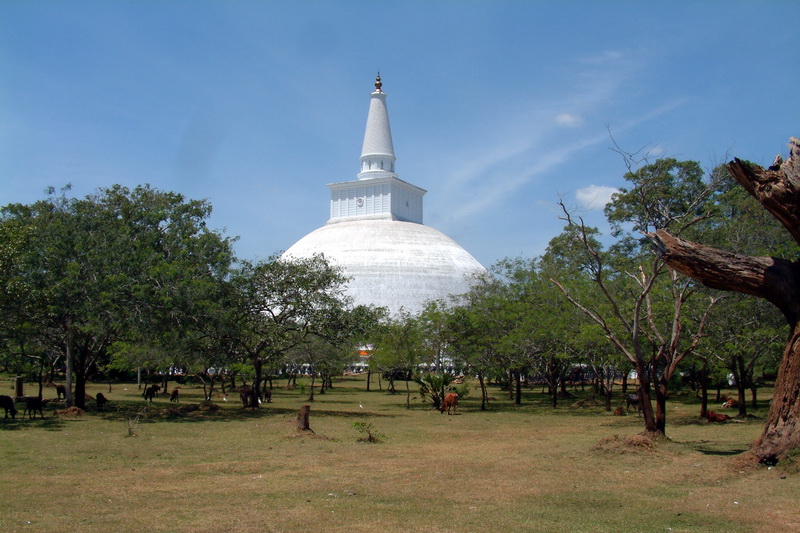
(361, 406)
(224, 398)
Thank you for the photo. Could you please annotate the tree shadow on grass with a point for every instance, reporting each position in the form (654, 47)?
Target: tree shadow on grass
(51, 423)
(709, 448)
(194, 413)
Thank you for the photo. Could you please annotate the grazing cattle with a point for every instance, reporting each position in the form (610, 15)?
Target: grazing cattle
(717, 417)
(619, 411)
(7, 403)
(33, 404)
(450, 402)
(633, 399)
(101, 401)
(173, 397)
(248, 397)
(61, 391)
(268, 395)
(151, 392)
(730, 402)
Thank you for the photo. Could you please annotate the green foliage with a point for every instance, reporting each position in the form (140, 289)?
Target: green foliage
(433, 387)
(666, 194)
(398, 347)
(371, 433)
(120, 265)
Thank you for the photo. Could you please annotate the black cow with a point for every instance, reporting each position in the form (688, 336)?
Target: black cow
(151, 392)
(33, 404)
(101, 401)
(7, 403)
(633, 399)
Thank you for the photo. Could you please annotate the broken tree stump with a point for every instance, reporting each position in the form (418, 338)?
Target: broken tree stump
(302, 419)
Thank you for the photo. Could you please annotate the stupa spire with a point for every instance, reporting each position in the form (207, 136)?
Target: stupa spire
(377, 152)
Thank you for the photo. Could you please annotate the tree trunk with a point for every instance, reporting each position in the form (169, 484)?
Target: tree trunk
(69, 397)
(661, 405)
(645, 403)
(302, 418)
(704, 391)
(483, 391)
(257, 366)
(782, 430)
(741, 400)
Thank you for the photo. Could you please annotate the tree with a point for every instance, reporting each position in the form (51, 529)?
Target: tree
(774, 279)
(277, 304)
(472, 335)
(398, 348)
(118, 264)
(334, 345)
(644, 311)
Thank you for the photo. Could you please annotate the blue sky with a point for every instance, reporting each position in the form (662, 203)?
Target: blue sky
(498, 108)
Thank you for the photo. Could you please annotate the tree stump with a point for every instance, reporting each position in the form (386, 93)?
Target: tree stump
(302, 418)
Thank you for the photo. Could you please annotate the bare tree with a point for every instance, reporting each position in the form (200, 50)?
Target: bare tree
(647, 319)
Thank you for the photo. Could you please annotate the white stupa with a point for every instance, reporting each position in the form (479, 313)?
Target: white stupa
(375, 232)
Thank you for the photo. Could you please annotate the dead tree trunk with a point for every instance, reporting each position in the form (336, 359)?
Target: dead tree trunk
(776, 280)
(302, 418)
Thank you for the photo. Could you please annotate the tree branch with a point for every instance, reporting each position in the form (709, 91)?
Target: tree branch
(770, 278)
(776, 188)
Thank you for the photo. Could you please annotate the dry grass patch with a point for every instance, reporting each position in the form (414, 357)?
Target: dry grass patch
(637, 444)
(525, 468)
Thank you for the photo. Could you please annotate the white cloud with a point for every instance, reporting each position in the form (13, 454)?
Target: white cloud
(569, 120)
(594, 197)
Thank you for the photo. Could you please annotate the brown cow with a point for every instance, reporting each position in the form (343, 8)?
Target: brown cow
(173, 397)
(248, 397)
(730, 402)
(450, 402)
(717, 417)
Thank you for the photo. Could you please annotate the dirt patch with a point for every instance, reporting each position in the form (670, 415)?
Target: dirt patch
(745, 462)
(640, 443)
(587, 403)
(70, 412)
(307, 434)
(192, 409)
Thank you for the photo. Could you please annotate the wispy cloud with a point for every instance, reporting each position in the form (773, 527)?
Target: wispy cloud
(594, 197)
(547, 137)
(569, 119)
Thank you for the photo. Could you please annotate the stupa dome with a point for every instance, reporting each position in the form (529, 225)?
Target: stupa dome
(376, 236)
(391, 263)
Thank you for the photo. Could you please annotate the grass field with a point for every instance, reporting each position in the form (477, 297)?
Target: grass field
(528, 468)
